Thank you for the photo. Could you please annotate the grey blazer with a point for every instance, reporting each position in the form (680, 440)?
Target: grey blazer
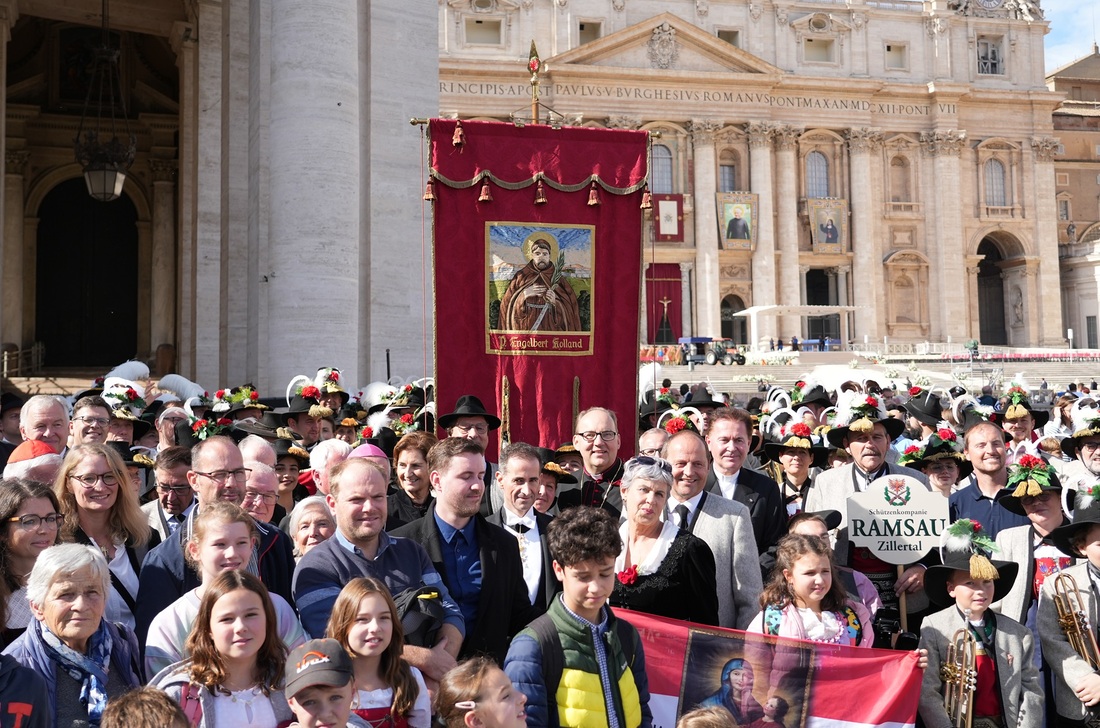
(155, 515)
(1014, 645)
(1015, 544)
(1068, 667)
(726, 527)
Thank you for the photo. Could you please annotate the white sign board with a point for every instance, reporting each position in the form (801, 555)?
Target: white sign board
(897, 519)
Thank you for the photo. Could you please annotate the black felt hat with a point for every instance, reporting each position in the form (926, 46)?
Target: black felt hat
(862, 413)
(967, 547)
(925, 406)
(1018, 405)
(468, 406)
(289, 449)
(1027, 478)
(1086, 511)
(939, 448)
(798, 436)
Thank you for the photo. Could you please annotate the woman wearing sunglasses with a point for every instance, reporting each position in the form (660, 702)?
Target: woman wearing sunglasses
(662, 570)
(29, 522)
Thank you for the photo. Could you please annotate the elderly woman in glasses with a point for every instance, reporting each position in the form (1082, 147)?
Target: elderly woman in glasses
(99, 509)
(661, 570)
(29, 518)
(85, 659)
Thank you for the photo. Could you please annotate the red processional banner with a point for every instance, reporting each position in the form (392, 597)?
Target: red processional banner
(537, 266)
(766, 681)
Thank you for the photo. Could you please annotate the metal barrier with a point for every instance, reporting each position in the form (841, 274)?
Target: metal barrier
(23, 362)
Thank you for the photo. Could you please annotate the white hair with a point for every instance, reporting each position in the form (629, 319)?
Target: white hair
(62, 561)
(23, 468)
(40, 402)
(255, 448)
(259, 468)
(326, 452)
(312, 503)
(658, 471)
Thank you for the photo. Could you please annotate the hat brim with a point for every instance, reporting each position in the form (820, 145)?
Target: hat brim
(893, 425)
(935, 582)
(448, 420)
(1063, 535)
(820, 455)
(256, 428)
(1012, 504)
(832, 518)
(965, 466)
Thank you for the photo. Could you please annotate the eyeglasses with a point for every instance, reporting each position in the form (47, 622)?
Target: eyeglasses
(32, 523)
(605, 435)
(646, 461)
(177, 489)
(97, 421)
(89, 480)
(220, 476)
(252, 495)
(481, 428)
(652, 452)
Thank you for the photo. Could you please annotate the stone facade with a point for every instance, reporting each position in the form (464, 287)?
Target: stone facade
(930, 120)
(276, 194)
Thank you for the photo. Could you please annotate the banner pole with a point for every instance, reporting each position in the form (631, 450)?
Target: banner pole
(901, 604)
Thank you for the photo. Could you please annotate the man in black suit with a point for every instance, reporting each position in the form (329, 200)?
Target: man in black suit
(520, 470)
(479, 562)
(729, 439)
(597, 440)
(738, 228)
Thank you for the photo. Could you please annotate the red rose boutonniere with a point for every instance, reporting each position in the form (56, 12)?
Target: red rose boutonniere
(628, 576)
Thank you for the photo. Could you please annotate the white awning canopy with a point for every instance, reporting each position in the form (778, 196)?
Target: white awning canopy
(753, 314)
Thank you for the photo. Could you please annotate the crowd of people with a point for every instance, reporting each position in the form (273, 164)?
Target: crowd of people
(171, 558)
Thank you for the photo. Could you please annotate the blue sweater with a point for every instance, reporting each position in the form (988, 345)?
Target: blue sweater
(400, 563)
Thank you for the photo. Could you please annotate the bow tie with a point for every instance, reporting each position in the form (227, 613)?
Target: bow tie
(520, 528)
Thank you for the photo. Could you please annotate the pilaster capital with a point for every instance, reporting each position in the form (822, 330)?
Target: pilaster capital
(863, 139)
(164, 170)
(759, 133)
(686, 267)
(1045, 148)
(623, 121)
(786, 136)
(946, 143)
(703, 130)
(702, 8)
(755, 11)
(15, 161)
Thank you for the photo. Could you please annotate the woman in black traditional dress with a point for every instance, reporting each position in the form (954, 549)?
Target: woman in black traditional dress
(661, 570)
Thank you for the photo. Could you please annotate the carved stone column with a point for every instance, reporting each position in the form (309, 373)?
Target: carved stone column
(184, 44)
(15, 161)
(1047, 277)
(763, 258)
(866, 250)
(704, 185)
(973, 315)
(687, 303)
(315, 178)
(951, 312)
(786, 193)
(8, 15)
(643, 317)
(162, 323)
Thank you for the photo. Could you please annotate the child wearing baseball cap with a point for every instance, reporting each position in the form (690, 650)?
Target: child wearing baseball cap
(319, 686)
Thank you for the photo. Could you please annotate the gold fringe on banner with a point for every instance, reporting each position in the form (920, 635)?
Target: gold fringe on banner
(505, 420)
(576, 400)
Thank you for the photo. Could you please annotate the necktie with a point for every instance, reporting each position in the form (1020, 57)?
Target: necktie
(681, 512)
(520, 528)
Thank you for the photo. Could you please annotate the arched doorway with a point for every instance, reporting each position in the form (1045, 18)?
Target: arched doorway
(86, 282)
(991, 295)
(734, 327)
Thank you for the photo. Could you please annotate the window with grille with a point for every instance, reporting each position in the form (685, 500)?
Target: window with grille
(996, 194)
(660, 172)
(990, 61)
(817, 175)
(1063, 209)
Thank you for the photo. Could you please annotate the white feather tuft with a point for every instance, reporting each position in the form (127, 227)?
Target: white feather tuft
(373, 393)
(180, 386)
(132, 370)
(377, 421)
(649, 379)
(118, 384)
(956, 543)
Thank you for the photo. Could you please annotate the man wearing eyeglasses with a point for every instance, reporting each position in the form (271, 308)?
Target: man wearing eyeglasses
(261, 493)
(166, 426)
(175, 498)
(597, 441)
(91, 417)
(217, 473)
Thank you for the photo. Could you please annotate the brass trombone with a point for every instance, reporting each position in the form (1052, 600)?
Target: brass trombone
(1074, 621)
(959, 673)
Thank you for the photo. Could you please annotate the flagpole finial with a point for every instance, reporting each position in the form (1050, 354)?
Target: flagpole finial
(534, 65)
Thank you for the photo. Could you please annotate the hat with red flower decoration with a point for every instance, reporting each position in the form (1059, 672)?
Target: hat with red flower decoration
(1029, 476)
(228, 402)
(1085, 512)
(303, 397)
(942, 445)
(924, 405)
(857, 412)
(798, 436)
(1017, 404)
(678, 420)
(966, 547)
(808, 392)
(329, 381)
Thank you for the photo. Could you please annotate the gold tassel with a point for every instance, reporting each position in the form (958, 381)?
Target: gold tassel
(486, 195)
(459, 137)
(647, 200)
(798, 442)
(982, 568)
(1033, 488)
(316, 410)
(576, 399)
(429, 192)
(593, 196)
(540, 194)
(862, 425)
(1016, 411)
(505, 419)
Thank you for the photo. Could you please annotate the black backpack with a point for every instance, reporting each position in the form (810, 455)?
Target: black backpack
(546, 634)
(421, 612)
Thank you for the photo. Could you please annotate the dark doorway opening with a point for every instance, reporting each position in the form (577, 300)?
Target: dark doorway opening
(86, 283)
(734, 327)
(821, 291)
(991, 296)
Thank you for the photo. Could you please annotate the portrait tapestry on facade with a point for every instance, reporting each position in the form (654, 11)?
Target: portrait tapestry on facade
(737, 219)
(829, 225)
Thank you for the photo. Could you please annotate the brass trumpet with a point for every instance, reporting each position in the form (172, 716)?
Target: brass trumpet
(1074, 621)
(959, 673)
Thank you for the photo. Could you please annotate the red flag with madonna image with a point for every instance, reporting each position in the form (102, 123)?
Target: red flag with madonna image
(537, 267)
